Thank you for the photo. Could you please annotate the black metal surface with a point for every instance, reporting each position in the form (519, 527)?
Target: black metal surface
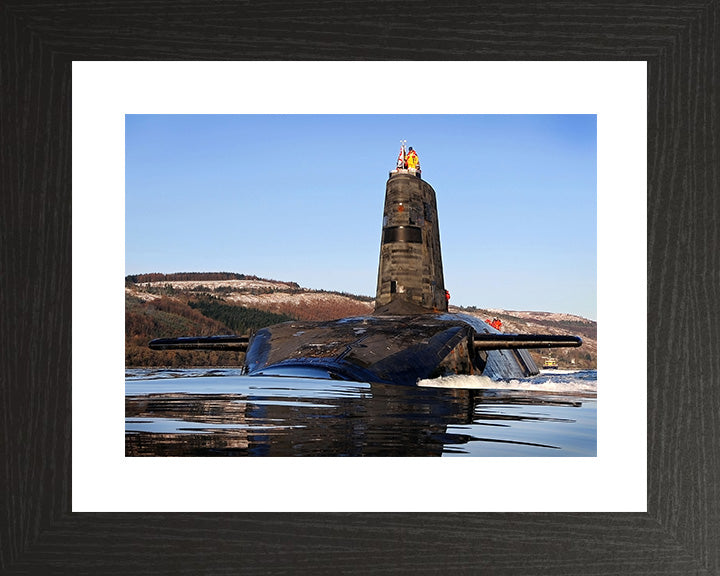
(411, 234)
(397, 349)
(519, 341)
(229, 342)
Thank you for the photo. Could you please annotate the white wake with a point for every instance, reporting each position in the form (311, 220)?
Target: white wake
(566, 383)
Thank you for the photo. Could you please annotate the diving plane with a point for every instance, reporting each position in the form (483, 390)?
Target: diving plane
(410, 335)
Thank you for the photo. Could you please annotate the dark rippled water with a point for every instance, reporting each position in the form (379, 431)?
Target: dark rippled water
(222, 413)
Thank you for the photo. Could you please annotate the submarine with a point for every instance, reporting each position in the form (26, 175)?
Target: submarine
(410, 335)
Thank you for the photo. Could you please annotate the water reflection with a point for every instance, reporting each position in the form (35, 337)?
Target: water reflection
(231, 415)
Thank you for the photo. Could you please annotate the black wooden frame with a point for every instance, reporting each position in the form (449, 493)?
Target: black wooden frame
(680, 533)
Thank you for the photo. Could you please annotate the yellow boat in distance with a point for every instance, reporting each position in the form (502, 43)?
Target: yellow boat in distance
(550, 364)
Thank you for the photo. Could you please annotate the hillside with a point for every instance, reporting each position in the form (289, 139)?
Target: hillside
(183, 304)
(584, 357)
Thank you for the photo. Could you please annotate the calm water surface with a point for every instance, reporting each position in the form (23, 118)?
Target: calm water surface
(219, 412)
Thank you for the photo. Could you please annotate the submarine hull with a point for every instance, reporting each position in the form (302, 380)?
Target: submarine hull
(388, 349)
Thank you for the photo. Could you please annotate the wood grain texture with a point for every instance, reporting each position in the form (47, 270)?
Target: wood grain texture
(680, 534)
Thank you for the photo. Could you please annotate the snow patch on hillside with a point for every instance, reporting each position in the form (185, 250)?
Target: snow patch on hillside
(550, 316)
(144, 296)
(299, 299)
(213, 284)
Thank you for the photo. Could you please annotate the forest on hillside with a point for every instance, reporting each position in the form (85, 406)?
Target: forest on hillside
(166, 317)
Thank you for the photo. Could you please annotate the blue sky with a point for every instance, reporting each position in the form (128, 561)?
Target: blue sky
(300, 198)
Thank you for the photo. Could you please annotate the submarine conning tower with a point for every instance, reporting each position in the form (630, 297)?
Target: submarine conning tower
(410, 273)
